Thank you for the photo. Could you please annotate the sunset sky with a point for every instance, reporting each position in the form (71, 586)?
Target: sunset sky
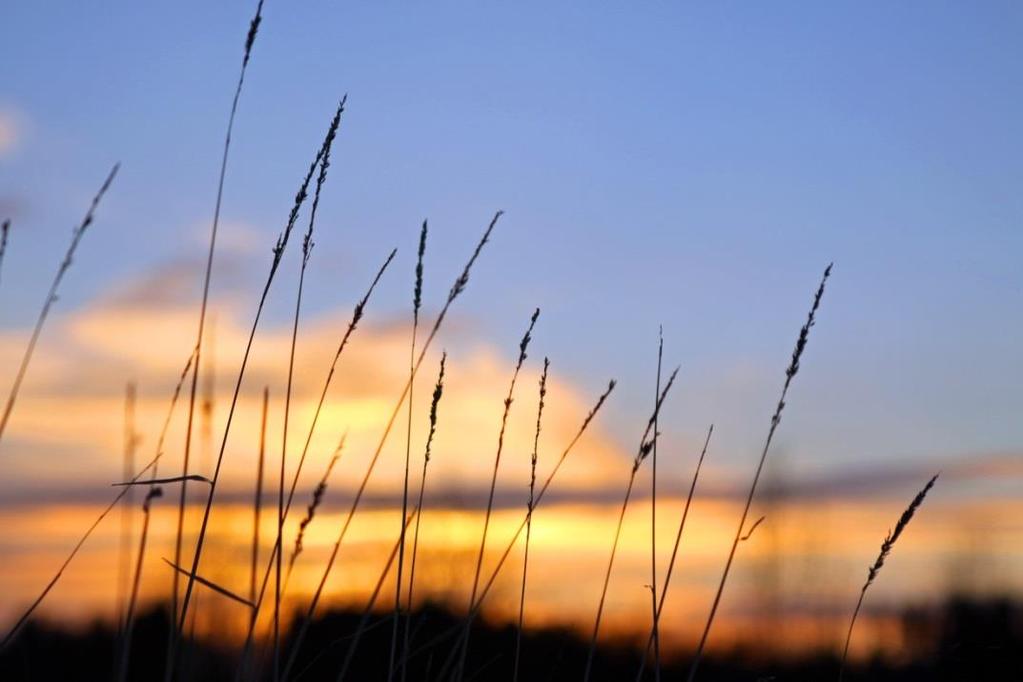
(685, 165)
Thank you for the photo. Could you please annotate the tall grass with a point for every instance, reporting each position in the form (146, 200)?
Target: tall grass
(352, 325)
(438, 391)
(51, 296)
(886, 549)
(16, 628)
(674, 554)
(278, 253)
(307, 249)
(478, 605)
(417, 299)
(646, 444)
(790, 373)
(250, 40)
(523, 346)
(529, 517)
(456, 290)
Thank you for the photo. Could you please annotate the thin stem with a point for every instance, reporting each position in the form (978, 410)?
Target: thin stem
(416, 302)
(674, 553)
(307, 246)
(653, 516)
(523, 345)
(511, 544)
(51, 297)
(790, 373)
(645, 447)
(257, 503)
(282, 242)
(174, 632)
(456, 290)
(356, 317)
(529, 518)
(886, 548)
(438, 391)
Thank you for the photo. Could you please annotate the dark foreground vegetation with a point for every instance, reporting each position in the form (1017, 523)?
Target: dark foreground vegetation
(962, 640)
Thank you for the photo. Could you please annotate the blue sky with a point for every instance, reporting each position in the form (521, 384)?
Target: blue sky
(691, 165)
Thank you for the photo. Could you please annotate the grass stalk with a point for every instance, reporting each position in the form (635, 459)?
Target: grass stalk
(307, 249)
(456, 290)
(674, 553)
(790, 373)
(886, 548)
(653, 516)
(523, 346)
(278, 253)
(438, 391)
(210, 584)
(51, 297)
(124, 548)
(529, 518)
(646, 444)
(417, 299)
(250, 40)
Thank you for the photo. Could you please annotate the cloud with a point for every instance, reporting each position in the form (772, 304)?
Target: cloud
(142, 330)
(11, 131)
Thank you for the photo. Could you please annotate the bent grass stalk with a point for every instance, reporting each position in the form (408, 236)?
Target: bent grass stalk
(278, 253)
(886, 548)
(523, 346)
(417, 299)
(529, 517)
(790, 373)
(645, 447)
(457, 288)
(51, 296)
(438, 391)
(16, 628)
(474, 611)
(210, 584)
(674, 554)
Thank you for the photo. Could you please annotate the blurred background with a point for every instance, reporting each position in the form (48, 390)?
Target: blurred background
(689, 166)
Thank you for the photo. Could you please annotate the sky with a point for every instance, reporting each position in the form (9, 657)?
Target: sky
(686, 165)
